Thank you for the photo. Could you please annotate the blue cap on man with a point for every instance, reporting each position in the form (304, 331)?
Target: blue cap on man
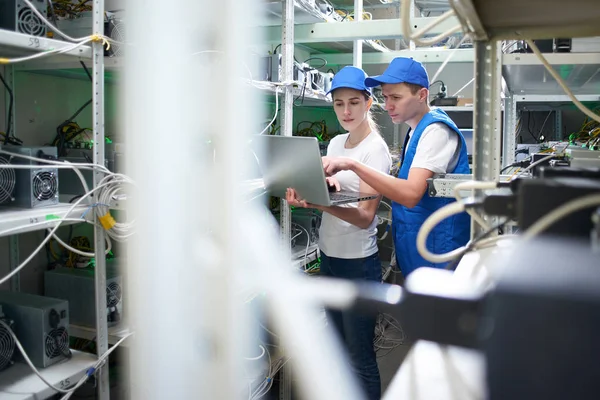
(350, 77)
(401, 70)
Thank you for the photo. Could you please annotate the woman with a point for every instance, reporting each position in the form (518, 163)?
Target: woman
(348, 233)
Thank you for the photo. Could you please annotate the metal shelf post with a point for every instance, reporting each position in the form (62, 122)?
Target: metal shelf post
(357, 49)
(486, 115)
(103, 392)
(287, 66)
(13, 244)
(509, 137)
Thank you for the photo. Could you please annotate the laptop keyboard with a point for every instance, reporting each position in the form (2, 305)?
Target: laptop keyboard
(340, 196)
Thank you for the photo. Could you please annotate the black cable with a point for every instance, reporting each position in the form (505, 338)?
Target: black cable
(443, 85)
(87, 103)
(454, 263)
(87, 71)
(278, 46)
(316, 58)
(10, 109)
(346, 13)
(54, 17)
(531, 128)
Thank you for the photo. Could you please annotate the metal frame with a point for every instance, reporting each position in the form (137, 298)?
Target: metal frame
(421, 55)
(380, 29)
(511, 109)
(103, 391)
(443, 185)
(287, 68)
(509, 137)
(357, 49)
(486, 115)
(13, 244)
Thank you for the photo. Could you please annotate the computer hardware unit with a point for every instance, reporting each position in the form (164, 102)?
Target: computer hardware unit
(35, 187)
(77, 286)
(7, 343)
(41, 324)
(16, 16)
(7, 180)
(69, 182)
(310, 221)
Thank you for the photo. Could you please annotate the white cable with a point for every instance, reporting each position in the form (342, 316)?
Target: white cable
(276, 110)
(37, 372)
(561, 82)
(98, 363)
(463, 88)
(79, 252)
(307, 243)
(430, 223)
(534, 164)
(472, 185)
(258, 357)
(559, 213)
(58, 164)
(54, 28)
(452, 52)
(113, 189)
(120, 231)
(52, 232)
(416, 37)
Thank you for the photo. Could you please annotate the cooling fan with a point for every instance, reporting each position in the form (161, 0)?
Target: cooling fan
(7, 345)
(56, 343)
(114, 306)
(29, 23)
(7, 180)
(113, 294)
(116, 31)
(44, 185)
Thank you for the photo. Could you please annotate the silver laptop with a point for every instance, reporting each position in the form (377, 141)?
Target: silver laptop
(295, 162)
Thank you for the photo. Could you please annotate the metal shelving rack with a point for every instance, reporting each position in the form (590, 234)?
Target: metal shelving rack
(530, 86)
(19, 382)
(488, 24)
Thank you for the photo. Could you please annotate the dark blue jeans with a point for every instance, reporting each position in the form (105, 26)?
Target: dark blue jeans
(357, 330)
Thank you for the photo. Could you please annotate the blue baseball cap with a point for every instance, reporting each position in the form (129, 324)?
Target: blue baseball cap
(401, 70)
(350, 77)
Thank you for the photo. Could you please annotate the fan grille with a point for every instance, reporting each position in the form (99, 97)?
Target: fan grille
(117, 33)
(113, 294)
(45, 185)
(7, 181)
(7, 348)
(57, 343)
(29, 23)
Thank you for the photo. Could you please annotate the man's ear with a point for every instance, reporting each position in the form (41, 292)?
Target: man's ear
(423, 95)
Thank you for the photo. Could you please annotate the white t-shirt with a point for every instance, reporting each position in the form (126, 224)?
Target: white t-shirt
(338, 238)
(437, 149)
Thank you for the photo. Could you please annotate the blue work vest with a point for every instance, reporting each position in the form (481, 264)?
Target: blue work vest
(449, 234)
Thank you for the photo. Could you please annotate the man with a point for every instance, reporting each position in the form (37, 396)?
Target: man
(433, 145)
